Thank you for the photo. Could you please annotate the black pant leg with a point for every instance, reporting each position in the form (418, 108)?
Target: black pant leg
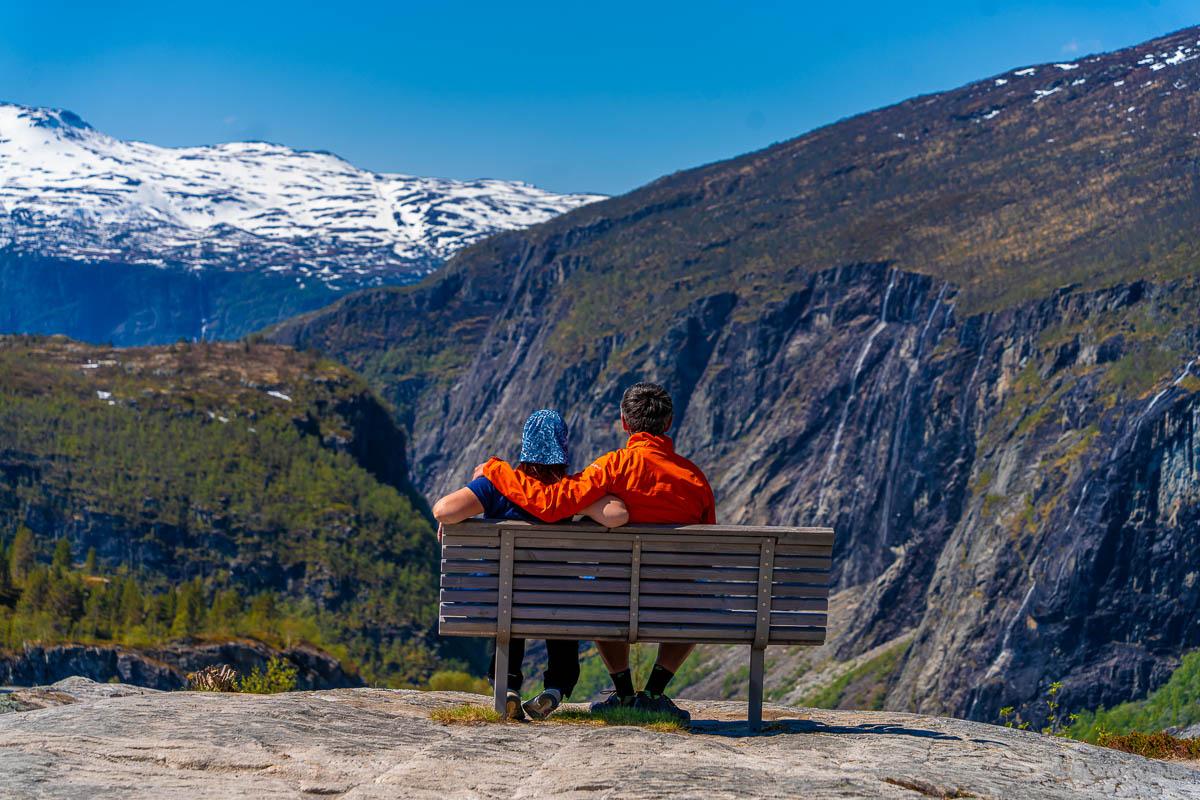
(516, 654)
(562, 668)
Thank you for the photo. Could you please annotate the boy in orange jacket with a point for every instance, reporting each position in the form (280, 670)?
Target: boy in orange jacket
(658, 486)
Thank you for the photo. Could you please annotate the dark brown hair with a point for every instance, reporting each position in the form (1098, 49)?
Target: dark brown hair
(546, 473)
(647, 408)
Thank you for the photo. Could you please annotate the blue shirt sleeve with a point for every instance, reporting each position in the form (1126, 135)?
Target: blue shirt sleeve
(495, 505)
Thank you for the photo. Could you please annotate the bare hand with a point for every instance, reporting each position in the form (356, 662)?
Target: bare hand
(478, 471)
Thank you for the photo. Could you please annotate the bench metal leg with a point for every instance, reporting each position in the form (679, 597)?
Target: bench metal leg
(501, 675)
(754, 714)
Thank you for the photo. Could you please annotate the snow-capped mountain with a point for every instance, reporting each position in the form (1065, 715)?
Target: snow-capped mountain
(68, 191)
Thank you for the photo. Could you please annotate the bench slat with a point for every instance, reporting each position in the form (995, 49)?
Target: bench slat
(470, 581)
(454, 552)
(735, 618)
(691, 587)
(779, 590)
(468, 611)
(571, 570)
(695, 633)
(573, 599)
(589, 542)
(691, 573)
(802, 562)
(455, 566)
(467, 596)
(701, 559)
(460, 540)
(810, 636)
(572, 584)
(685, 601)
(799, 604)
(800, 619)
(553, 555)
(569, 613)
(816, 551)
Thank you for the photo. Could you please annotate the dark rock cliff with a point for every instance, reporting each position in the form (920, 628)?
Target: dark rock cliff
(166, 667)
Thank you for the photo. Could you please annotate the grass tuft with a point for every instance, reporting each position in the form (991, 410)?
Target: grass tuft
(480, 715)
(659, 723)
(466, 715)
(1159, 745)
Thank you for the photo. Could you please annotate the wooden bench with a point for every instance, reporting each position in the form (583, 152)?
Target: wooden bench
(724, 584)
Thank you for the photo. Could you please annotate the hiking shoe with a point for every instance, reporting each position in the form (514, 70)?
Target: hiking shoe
(660, 704)
(512, 706)
(544, 704)
(611, 703)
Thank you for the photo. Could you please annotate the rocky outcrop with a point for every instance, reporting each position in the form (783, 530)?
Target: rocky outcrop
(166, 667)
(380, 743)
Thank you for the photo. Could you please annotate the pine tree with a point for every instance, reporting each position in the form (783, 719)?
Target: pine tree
(132, 605)
(225, 611)
(189, 610)
(62, 555)
(89, 566)
(8, 592)
(21, 555)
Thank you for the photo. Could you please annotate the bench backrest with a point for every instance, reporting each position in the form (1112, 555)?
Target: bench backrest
(641, 583)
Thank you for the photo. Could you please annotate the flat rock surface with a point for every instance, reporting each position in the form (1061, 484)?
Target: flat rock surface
(360, 743)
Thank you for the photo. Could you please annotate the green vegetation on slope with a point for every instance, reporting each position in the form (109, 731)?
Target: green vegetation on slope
(1175, 704)
(225, 468)
(862, 687)
(63, 603)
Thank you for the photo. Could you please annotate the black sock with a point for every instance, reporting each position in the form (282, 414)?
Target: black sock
(659, 678)
(623, 682)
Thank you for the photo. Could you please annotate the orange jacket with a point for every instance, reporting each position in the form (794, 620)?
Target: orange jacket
(657, 485)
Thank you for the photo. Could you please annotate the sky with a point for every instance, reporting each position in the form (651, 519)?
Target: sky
(571, 96)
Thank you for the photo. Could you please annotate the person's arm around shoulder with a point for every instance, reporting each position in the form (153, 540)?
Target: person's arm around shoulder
(609, 511)
(550, 502)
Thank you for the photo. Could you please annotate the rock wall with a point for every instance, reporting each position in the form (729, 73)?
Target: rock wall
(165, 667)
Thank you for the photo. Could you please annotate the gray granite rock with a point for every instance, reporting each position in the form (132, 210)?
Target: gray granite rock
(366, 743)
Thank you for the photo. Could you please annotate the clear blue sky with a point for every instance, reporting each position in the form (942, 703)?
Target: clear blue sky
(573, 96)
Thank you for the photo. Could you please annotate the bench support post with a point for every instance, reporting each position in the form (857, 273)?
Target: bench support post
(501, 675)
(504, 604)
(762, 632)
(754, 714)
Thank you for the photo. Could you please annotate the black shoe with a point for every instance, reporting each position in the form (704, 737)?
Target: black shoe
(512, 706)
(544, 704)
(660, 704)
(611, 703)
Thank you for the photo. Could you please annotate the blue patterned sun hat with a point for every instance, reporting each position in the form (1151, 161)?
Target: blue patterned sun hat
(544, 439)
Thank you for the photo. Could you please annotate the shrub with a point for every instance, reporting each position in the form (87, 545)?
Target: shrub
(456, 681)
(279, 676)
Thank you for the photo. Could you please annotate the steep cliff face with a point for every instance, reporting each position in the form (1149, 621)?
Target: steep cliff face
(932, 326)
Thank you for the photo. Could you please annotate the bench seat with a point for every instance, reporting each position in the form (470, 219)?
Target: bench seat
(721, 584)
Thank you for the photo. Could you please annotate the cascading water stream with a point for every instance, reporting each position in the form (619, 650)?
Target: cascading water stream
(900, 427)
(851, 396)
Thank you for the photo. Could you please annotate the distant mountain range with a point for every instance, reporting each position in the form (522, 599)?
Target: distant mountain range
(72, 197)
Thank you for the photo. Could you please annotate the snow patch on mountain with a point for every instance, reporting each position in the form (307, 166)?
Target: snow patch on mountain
(70, 191)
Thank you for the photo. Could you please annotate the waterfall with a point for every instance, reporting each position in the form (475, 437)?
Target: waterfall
(900, 427)
(850, 397)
